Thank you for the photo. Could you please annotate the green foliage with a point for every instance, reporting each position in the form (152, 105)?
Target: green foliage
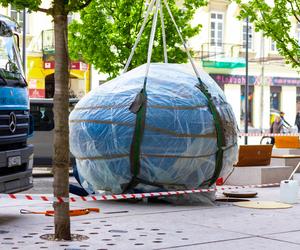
(108, 29)
(21, 4)
(276, 20)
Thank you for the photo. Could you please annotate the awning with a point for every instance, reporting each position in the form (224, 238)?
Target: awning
(224, 62)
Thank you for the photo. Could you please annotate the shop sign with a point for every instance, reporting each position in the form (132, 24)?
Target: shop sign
(74, 65)
(49, 65)
(279, 81)
(222, 79)
(32, 83)
(37, 93)
(233, 79)
(79, 66)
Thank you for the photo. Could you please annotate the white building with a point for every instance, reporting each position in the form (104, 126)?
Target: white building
(220, 47)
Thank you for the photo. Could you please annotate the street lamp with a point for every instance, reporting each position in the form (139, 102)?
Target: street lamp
(246, 83)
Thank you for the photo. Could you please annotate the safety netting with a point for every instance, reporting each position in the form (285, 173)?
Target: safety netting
(186, 136)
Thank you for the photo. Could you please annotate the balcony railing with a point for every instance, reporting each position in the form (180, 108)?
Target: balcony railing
(211, 51)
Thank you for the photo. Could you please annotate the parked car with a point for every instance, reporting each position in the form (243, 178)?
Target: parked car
(42, 111)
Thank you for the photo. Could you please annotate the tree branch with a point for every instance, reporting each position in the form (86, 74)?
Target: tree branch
(294, 11)
(47, 11)
(69, 8)
(139, 15)
(298, 7)
(279, 38)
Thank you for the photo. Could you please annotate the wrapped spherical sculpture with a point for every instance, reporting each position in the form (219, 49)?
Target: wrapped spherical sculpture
(179, 147)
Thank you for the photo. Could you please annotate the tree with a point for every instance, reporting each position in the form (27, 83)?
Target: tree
(275, 19)
(59, 11)
(108, 29)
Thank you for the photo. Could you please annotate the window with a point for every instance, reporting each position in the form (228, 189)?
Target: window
(250, 104)
(298, 33)
(216, 29)
(273, 46)
(70, 18)
(17, 16)
(250, 35)
(275, 92)
(42, 116)
(298, 94)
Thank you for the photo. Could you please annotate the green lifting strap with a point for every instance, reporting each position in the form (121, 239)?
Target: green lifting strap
(138, 136)
(139, 107)
(219, 130)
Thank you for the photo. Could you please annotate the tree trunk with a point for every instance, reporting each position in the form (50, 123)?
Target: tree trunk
(61, 160)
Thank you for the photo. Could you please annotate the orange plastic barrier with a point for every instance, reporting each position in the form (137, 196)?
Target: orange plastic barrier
(75, 212)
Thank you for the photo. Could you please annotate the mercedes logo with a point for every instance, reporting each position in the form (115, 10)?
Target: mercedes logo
(12, 122)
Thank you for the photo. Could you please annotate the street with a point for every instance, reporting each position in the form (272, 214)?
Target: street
(43, 185)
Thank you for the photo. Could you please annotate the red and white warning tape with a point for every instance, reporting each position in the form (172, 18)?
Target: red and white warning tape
(268, 134)
(125, 196)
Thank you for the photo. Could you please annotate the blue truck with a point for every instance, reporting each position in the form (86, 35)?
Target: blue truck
(16, 156)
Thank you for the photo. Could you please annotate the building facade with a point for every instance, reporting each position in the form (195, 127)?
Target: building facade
(221, 46)
(40, 55)
(220, 49)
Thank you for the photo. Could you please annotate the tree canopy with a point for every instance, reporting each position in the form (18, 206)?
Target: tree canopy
(20, 4)
(277, 19)
(35, 5)
(108, 29)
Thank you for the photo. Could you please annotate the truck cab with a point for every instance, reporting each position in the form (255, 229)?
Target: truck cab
(16, 156)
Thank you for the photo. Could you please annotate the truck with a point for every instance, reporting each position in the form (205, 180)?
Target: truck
(16, 126)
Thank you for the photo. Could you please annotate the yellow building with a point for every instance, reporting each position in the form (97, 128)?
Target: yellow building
(40, 55)
(40, 69)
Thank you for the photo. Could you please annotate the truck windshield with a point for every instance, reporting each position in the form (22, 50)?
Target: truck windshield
(11, 72)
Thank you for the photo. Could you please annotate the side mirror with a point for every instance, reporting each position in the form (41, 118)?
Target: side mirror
(18, 40)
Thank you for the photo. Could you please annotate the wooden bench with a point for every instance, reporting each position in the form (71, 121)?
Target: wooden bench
(254, 155)
(253, 167)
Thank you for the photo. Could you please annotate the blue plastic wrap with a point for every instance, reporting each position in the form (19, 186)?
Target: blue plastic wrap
(179, 144)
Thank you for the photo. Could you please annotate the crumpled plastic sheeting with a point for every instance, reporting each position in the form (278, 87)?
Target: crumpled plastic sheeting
(179, 144)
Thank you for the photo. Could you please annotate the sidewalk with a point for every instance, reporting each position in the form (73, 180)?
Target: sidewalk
(157, 226)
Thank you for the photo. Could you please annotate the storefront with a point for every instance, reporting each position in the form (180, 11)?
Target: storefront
(265, 96)
(40, 76)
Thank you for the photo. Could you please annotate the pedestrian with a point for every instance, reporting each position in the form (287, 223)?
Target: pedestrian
(297, 121)
(284, 122)
(276, 127)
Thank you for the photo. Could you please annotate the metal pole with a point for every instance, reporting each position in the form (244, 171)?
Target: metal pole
(262, 55)
(246, 84)
(24, 42)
